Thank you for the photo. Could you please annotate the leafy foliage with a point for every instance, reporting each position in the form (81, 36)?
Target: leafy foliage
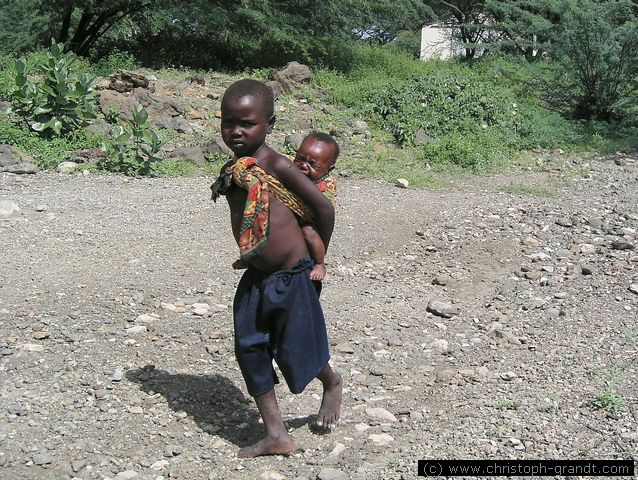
(440, 104)
(61, 101)
(133, 147)
(598, 48)
(47, 152)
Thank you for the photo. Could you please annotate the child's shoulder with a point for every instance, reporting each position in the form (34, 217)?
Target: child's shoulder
(274, 162)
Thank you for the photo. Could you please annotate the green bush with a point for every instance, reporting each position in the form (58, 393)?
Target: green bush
(133, 147)
(441, 104)
(112, 63)
(47, 152)
(598, 47)
(475, 152)
(60, 100)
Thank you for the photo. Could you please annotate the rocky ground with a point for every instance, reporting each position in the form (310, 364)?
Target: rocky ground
(468, 322)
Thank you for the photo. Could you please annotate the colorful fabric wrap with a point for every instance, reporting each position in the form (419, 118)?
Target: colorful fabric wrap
(259, 186)
(328, 187)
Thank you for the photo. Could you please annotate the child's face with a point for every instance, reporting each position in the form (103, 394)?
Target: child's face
(315, 158)
(245, 124)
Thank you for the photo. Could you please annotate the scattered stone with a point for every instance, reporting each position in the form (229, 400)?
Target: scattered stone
(126, 475)
(441, 346)
(67, 167)
(293, 140)
(118, 374)
(587, 249)
(622, 245)
(41, 208)
(633, 288)
(41, 335)
(564, 222)
(587, 270)
(172, 450)
(380, 371)
(531, 242)
(7, 207)
(32, 347)
(497, 332)
(77, 465)
(509, 376)
(442, 308)
(24, 168)
(402, 183)
(159, 465)
(145, 319)
(136, 330)
(444, 375)
(328, 473)
(382, 439)
(394, 342)
(380, 414)
(125, 81)
(42, 459)
(194, 155)
(344, 348)
(197, 79)
(271, 475)
(441, 280)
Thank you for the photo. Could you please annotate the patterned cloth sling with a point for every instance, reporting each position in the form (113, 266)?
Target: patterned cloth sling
(246, 174)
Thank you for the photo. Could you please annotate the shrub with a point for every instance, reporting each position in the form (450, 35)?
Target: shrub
(61, 101)
(476, 152)
(598, 46)
(441, 104)
(47, 152)
(134, 146)
(108, 65)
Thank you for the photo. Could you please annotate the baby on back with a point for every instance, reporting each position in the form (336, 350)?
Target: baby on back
(316, 158)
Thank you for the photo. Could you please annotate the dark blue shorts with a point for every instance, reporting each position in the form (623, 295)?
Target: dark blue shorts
(278, 317)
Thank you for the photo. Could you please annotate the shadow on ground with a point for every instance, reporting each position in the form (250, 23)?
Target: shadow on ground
(213, 401)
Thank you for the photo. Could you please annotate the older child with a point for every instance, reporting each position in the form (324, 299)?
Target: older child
(316, 158)
(277, 314)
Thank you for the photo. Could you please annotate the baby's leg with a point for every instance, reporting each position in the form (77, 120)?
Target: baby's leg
(317, 252)
(277, 440)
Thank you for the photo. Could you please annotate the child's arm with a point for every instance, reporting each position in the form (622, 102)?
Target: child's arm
(298, 183)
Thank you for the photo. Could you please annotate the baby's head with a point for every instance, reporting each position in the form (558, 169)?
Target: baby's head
(317, 155)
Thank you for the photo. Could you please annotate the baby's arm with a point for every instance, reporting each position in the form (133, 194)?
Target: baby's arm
(317, 252)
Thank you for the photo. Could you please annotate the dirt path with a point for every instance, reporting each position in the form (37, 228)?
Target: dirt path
(116, 353)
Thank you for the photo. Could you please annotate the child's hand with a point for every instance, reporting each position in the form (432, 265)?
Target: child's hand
(318, 272)
(239, 265)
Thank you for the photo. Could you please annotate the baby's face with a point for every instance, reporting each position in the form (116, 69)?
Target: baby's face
(315, 158)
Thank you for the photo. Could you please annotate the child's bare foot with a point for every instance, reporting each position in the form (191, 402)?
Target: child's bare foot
(318, 272)
(268, 446)
(331, 402)
(239, 265)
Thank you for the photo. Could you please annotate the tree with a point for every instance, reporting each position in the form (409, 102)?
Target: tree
(80, 23)
(380, 21)
(525, 27)
(598, 48)
(468, 21)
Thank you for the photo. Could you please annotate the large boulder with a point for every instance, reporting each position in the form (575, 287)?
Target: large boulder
(12, 161)
(293, 73)
(216, 147)
(192, 155)
(124, 81)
